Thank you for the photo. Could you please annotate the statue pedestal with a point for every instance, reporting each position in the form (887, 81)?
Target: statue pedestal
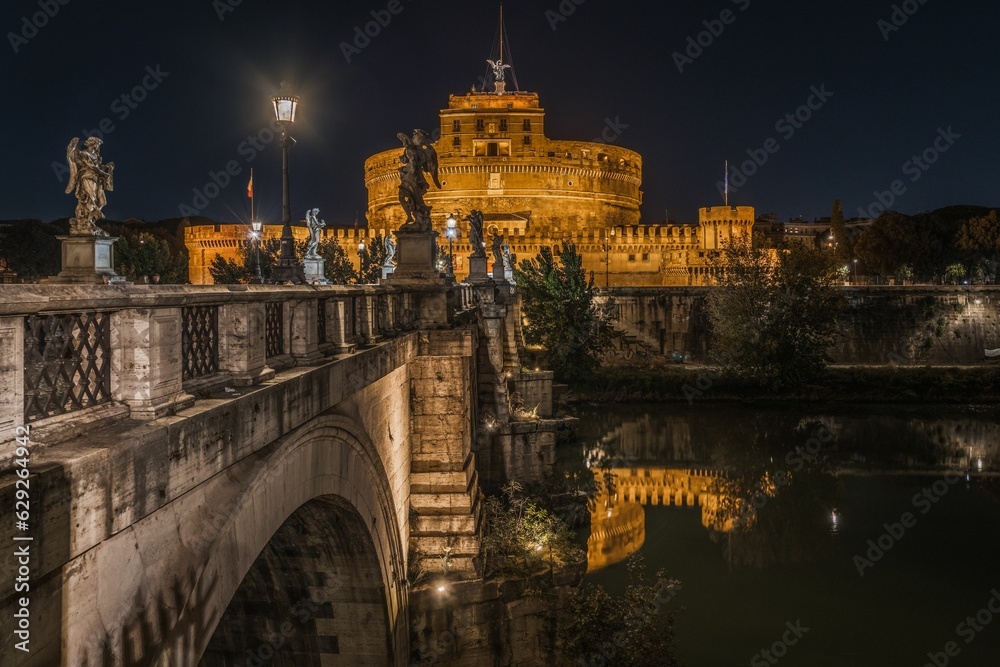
(415, 259)
(499, 272)
(387, 271)
(315, 270)
(477, 271)
(88, 260)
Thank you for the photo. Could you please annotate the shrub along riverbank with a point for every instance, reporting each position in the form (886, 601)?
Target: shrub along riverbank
(846, 384)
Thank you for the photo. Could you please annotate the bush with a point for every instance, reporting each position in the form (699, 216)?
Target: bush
(519, 536)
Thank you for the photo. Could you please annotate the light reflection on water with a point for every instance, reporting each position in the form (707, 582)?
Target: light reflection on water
(753, 547)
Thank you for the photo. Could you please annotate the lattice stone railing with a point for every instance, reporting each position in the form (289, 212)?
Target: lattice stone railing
(143, 351)
(67, 363)
(200, 341)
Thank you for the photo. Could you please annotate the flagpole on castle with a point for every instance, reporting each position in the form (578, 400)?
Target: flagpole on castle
(258, 231)
(727, 183)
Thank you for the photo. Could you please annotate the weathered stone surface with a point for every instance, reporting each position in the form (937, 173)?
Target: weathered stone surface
(879, 325)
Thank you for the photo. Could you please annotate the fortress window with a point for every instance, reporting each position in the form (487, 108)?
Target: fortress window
(457, 142)
(551, 154)
(631, 258)
(480, 125)
(645, 256)
(456, 126)
(527, 140)
(602, 157)
(526, 125)
(503, 124)
(492, 149)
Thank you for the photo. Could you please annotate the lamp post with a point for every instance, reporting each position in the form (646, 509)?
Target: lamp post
(288, 269)
(258, 228)
(855, 271)
(451, 231)
(607, 256)
(362, 256)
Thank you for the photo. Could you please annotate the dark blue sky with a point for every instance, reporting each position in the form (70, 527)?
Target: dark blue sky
(608, 60)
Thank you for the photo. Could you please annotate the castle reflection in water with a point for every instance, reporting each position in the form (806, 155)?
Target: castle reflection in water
(677, 459)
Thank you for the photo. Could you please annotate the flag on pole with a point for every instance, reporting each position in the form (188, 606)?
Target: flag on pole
(250, 188)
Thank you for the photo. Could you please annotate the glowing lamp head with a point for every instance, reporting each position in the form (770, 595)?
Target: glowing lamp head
(285, 104)
(258, 227)
(451, 226)
(361, 246)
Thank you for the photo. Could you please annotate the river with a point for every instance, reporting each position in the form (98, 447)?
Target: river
(841, 536)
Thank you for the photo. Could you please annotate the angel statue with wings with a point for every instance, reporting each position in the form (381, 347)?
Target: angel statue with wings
(499, 70)
(315, 226)
(419, 158)
(88, 179)
(476, 234)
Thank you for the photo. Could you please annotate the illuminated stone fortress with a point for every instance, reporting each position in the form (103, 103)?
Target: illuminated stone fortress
(494, 157)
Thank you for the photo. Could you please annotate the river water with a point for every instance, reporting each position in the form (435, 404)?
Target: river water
(873, 532)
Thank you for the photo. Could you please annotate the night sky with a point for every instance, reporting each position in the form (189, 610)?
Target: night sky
(607, 60)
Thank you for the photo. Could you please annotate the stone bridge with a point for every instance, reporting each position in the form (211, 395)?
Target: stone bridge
(250, 475)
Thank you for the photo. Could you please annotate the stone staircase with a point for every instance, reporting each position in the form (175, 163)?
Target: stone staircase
(446, 513)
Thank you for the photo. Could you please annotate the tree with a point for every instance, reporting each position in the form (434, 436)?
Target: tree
(979, 237)
(372, 261)
(886, 246)
(842, 244)
(228, 272)
(30, 249)
(142, 255)
(634, 629)
(558, 304)
(775, 313)
(338, 267)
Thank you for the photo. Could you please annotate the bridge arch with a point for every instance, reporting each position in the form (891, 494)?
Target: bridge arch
(318, 498)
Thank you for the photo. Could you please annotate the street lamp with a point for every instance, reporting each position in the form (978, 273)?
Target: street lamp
(607, 256)
(855, 271)
(362, 260)
(451, 231)
(258, 228)
(288, 269)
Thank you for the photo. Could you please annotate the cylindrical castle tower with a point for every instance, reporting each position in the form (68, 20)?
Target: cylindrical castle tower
(494, 157)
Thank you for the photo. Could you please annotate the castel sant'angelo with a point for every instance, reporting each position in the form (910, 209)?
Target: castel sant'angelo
(495, 157)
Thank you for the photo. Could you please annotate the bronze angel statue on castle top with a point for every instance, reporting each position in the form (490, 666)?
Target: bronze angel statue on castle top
(419, 158)
(89, 180)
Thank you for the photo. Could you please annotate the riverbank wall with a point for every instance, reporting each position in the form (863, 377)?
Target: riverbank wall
(935, 325)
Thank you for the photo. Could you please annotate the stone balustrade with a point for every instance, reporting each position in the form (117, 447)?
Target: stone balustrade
(79, 356)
